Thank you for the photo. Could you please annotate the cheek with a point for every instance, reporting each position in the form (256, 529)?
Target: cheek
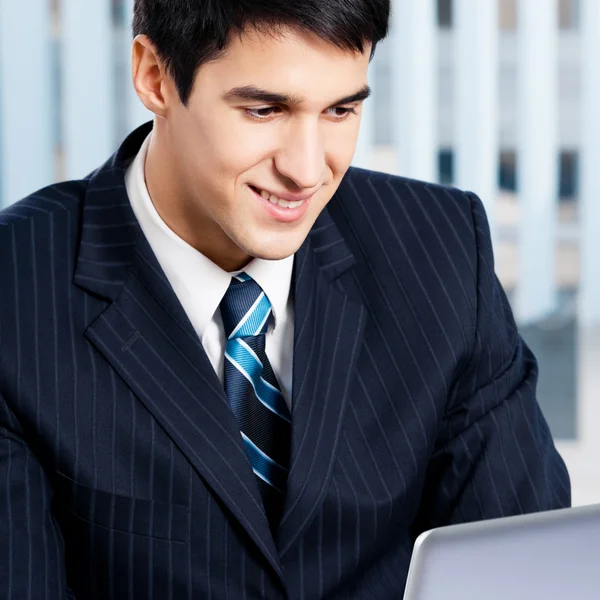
(232, 157)
(232, 139)
(340, 150)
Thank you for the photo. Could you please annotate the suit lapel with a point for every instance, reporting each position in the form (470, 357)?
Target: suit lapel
(328, 333)
(146, 336)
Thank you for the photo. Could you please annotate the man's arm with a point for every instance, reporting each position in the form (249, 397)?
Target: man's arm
(31, 545)
(495, 455)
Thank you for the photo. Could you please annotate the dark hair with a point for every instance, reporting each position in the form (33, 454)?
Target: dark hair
(189, 33)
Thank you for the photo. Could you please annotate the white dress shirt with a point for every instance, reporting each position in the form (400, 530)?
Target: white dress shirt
(200, 284)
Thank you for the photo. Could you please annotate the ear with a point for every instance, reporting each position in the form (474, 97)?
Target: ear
(151, 81)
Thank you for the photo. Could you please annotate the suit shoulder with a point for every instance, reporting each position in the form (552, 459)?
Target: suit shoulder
(59, 201)
(415, 247)
(396, 205)
(395, 187)
(427, 231)
(42, 219)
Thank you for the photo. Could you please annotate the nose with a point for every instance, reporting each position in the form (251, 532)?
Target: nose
(302, 155)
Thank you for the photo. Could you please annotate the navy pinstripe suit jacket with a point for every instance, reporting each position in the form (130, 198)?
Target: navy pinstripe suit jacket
(123, 472)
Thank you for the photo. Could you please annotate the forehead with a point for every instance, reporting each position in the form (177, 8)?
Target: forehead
(287, 61)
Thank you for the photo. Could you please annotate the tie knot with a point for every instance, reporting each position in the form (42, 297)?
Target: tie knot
(245, 308)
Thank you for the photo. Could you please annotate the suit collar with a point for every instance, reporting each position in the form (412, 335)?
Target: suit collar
(147, 337)
(110, 230)
(331, 252)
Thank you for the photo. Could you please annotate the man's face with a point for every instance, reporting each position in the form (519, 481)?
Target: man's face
(255, 173)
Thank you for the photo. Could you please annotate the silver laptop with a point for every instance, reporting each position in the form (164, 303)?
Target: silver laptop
(553, 555)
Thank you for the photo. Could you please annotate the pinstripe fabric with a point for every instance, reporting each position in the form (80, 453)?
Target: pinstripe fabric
(123, 472)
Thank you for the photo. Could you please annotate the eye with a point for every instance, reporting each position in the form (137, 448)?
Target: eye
(341, 112)
(261, 114)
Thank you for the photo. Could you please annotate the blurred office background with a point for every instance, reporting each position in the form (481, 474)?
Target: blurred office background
(501, 97)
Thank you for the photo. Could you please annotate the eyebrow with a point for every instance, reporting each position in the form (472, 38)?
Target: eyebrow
(254, 94)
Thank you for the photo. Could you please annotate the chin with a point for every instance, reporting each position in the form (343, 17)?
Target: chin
(272, 245)
(274, 251)
(276, 254)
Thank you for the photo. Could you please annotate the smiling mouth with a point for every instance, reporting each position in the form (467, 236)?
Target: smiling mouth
(275, 200)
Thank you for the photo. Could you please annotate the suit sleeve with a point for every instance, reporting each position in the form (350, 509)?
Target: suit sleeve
(31, 546)
(494, 455)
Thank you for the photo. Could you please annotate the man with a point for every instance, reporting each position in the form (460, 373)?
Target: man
(233, 367)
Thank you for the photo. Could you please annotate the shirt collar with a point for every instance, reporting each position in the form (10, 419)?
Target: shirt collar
(198, 282)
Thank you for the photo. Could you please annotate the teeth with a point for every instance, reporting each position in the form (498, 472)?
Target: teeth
(284, 203)
(287, 203)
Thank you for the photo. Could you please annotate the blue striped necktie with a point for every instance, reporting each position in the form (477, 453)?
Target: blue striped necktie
(250, 384)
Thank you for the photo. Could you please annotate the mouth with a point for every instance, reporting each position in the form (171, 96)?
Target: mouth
(284, 211)
(278, 201)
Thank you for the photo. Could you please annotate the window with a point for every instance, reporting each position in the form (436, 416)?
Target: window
(444, 13)
(507, 173)
(446, 166)
(118, 9)
(568, 14)
(554, 342)
(569, 163)
(507, 15)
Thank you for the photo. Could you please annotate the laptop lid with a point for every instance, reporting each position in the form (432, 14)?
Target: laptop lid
(553, 555)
